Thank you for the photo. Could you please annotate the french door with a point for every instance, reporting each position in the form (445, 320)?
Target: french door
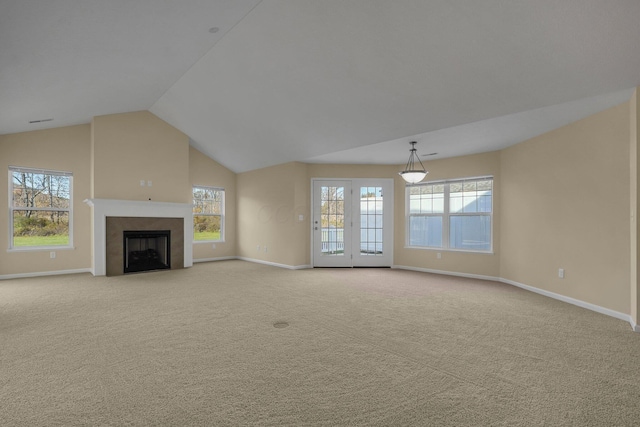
(352, 222)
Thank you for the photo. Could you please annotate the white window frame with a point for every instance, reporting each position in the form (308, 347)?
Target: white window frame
(446, 215)
(221, 215)
(12, 208)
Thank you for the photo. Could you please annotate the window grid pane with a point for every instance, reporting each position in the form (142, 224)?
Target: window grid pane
(40, 228)
(371, 220)
(40, 190)
(426, 199)
(470, 232)
(425, 231)
(332, 220)
(207, 227)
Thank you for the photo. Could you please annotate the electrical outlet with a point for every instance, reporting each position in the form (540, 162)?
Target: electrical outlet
(142, 183)
(52, 255)
(265, 249)
(149, 183)
(561, 273)
(213, 246)
(439, 256)
(258, 247)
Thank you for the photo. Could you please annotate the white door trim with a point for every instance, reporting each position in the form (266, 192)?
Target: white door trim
(354, 212)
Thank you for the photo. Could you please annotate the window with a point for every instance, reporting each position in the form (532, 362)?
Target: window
(453, 215)
(40, 208)
(208, 214)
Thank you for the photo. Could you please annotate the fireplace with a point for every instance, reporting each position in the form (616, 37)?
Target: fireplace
(146, 250)
(112, 217)
(136, 244)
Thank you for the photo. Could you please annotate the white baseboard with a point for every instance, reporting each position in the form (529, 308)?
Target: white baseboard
(223, 258)
(569, 300)
(447, 273)
(44, 273)
(275, 264)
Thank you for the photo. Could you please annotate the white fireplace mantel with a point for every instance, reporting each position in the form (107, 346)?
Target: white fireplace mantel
(103, 208)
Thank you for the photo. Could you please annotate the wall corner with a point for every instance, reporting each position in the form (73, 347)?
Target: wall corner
(634, 206)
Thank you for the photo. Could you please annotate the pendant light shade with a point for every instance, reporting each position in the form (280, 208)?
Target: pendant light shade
(411, 173)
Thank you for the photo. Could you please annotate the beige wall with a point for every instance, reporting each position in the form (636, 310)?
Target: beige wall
(353, 171)
(63, 149)
(565, 204)
(131, 147)
(482, 264)
(206, 172)
(268, 204)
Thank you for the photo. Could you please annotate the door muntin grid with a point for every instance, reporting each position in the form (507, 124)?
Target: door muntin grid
(332, 219)
(371, 221)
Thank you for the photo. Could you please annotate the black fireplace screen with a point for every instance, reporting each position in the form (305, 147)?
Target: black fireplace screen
(146, 250)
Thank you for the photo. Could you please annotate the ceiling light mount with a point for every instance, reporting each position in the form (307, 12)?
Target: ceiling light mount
(411, 173)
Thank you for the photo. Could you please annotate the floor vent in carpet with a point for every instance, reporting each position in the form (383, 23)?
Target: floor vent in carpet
(280, 325)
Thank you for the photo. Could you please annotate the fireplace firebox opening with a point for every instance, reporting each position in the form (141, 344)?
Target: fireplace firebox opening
(146, 250)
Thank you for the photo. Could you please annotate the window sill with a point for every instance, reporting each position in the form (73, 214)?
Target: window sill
(451, 250)
(41, 248)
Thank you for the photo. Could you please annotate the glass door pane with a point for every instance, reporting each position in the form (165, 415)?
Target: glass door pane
(371, 221)
(332, 220)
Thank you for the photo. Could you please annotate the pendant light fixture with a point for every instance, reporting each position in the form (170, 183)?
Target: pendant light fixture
(411, 174)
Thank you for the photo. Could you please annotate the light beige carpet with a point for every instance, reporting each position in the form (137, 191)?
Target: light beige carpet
(363, 347)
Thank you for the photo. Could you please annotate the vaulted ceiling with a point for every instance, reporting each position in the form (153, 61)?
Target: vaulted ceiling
(255, 83)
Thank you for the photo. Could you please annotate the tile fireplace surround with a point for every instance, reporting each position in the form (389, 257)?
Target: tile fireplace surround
(104, 208)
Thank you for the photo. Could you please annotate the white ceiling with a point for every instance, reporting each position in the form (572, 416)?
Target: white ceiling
(340, 81)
